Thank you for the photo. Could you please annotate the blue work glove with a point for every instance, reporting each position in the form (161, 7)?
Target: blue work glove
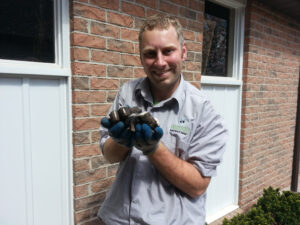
(146, 138)
(118, 132)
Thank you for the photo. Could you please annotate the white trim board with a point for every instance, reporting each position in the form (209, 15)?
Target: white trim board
(221, 213)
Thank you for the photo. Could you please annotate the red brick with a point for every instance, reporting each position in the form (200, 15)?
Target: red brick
(111, 96)
(180, 2)
(194, 46)
(98, 162)
(81, 83)
(79, 24)
(105, 84)
(100, 110)
(188, 76)
(94, 221)
(112, 170)
(136, 49)
(86, 40)
(195, 26)
(106, 57)
(82, 216)
(133, 9)
(152, 4)
(120, 46)
(199, 37)
(108, 4)
(190, 14)
(197, 76)
(120, 19)
(88, 69)
(89, 202)
(88, 176)
(196, 5)
(86, 124)
(105, 30)
(169, 8)
(81, 138)
(80, 54)
(95, 135)
(193, 66)
(128, 34)
(88, 12)
(120, 71)
(139, 72)
(82, 164)
(102, 185)
(130, 60)
(80, 110)
(89, 96)
(81, 191)
(151, 12)
(86, 150)
(188, 35)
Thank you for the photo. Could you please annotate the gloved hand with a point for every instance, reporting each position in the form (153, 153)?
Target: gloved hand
(146, 138)
(118, 132)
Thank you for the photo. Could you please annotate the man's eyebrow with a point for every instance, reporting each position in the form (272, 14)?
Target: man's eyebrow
(149, 48)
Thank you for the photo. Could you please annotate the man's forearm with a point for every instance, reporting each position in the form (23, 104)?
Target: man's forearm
(114, 152)
(179, 172)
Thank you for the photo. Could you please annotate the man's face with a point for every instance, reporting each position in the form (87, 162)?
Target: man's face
(162, 57)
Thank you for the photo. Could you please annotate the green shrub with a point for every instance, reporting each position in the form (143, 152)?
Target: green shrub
(273, 208)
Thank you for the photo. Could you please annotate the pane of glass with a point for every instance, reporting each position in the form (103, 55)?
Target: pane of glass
(27, 30)
(215, 40)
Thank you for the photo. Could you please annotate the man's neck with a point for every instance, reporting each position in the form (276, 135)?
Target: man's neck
(159, 95)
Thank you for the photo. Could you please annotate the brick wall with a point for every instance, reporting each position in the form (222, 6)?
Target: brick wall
(105, 54)
(270, 76)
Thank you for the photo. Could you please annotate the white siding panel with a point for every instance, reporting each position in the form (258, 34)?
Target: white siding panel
(13, 202)
(33, 152)
(222, 191)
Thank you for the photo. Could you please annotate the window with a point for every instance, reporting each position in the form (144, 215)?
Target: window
(27, 30)
(217, 40)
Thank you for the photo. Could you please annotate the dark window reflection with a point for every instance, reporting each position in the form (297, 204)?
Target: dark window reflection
(27, 30)
(215, 40)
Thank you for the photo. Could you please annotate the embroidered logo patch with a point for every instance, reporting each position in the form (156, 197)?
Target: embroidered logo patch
(181, 127)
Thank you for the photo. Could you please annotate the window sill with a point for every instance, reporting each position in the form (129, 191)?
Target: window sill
(210, 80)
(15, 67)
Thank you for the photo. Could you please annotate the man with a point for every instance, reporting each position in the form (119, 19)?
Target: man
(164, 181)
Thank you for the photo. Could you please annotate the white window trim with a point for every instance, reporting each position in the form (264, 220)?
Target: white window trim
(235, 80)
(61, 67)
(238, 45)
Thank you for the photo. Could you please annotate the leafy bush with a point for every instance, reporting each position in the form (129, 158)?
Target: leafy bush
(273, 208)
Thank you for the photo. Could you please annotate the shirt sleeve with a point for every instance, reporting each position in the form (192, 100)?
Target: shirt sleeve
(209, 141)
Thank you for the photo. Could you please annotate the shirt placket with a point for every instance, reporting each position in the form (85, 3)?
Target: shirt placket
(135, 197)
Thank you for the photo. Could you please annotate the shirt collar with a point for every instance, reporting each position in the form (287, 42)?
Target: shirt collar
(143, 88)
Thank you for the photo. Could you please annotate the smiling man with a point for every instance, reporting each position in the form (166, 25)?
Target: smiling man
(162, 181)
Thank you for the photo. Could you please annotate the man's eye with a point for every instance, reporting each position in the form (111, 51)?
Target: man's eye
(149, 54)
(168, 51)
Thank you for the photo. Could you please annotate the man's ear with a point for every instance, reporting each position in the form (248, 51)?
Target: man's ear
(184, 52)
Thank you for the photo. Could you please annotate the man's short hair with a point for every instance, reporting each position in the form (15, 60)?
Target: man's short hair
(162, 22)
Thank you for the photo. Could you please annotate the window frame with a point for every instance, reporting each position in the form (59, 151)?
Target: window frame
(235, 51)
(61, 67)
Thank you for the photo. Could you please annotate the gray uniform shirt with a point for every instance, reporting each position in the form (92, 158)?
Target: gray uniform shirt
(193, 131)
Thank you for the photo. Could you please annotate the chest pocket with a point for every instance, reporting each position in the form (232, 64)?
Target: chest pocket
(176, 145)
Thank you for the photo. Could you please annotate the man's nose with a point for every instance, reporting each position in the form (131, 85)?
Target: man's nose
(160, 59)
